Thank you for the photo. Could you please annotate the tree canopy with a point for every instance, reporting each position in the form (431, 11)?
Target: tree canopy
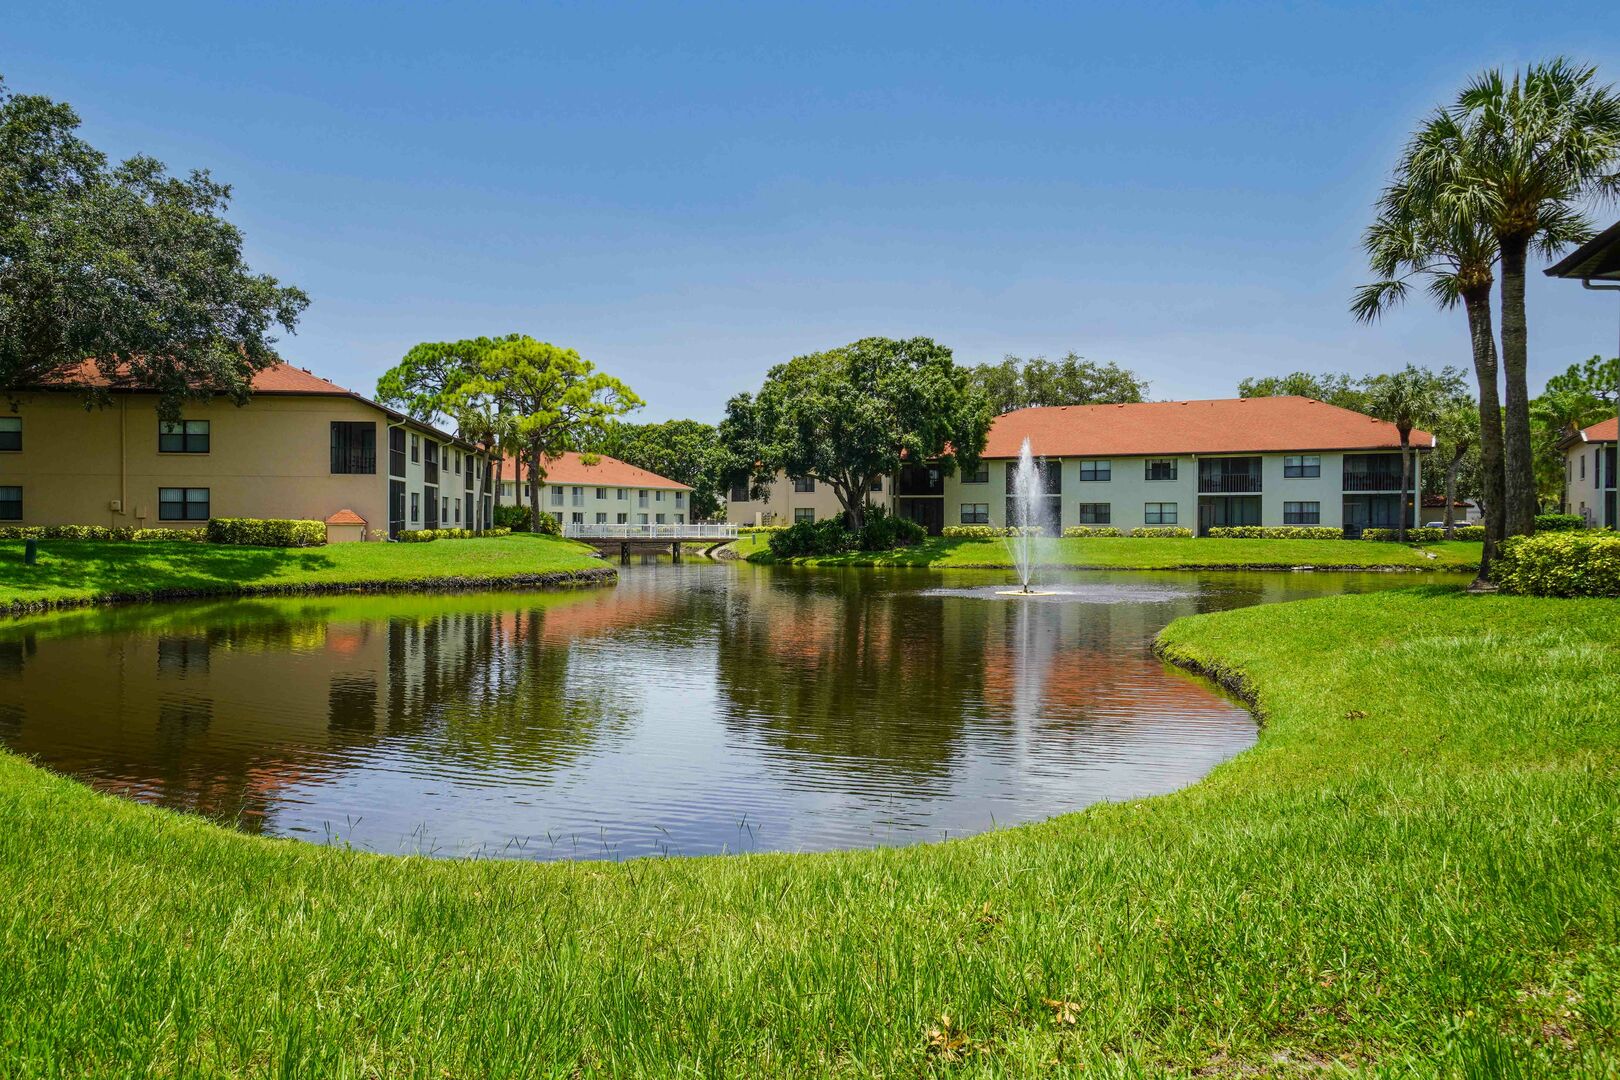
(683, 450)
(124, 265)
(848, 416)
(1015, 383)
(1341, 389)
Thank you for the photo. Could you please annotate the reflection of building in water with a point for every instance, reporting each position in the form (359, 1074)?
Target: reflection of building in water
(224, 714)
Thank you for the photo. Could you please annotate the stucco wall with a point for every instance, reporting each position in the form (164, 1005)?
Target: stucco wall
(1583, 472)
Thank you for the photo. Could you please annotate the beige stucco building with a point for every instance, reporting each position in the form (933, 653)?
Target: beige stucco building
(1189, 464)
(602, 490)
(1589, 474)
(302, 448)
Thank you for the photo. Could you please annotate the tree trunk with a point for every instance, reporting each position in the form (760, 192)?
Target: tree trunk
(1406, 480)
(1451, 493)
(495, 483)
(1477, 303)
(852, 502)
(534, 491)
(1519, 467)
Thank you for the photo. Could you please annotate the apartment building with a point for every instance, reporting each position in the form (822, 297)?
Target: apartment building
(1192, 464)
(601, 490)
(302, 447)
(1589, 473)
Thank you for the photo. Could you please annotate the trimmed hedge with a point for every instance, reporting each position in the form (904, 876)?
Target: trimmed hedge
(883, 531)
(750, 530)
(1081, 532)
(123, 533)
(267, 532)
(1559, 522)
(1418, 535)
(1275, 532)
(974, 532)
(423, 536)
(1560, 563)
(1174, 532)
(1468, 532)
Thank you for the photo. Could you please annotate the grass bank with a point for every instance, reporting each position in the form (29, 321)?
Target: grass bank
(74, 573)
(1127, 553)
(1415, 871)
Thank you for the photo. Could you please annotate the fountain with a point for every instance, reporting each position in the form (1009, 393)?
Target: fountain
(1026, 504)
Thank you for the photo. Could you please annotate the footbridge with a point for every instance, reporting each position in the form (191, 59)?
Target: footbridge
(625, 540)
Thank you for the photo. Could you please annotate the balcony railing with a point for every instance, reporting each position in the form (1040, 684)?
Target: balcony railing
(1377, 480)
(1225, 483)
(699, 531)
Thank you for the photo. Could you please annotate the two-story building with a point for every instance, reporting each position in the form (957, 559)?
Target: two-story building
(1589, 473)
(601, 490)
(302, 447)
(1193, 464)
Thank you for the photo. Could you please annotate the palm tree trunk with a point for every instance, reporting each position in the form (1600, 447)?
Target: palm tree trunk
(1519, 467)
(1477, 303)
(1406, 479)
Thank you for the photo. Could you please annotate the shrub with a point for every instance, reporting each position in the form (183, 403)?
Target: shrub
(167, 535)
(1468, 532)
(1164, 532)
(883, 531)
(825, 537)
(750, 530)
(1078, 532)
(1560, 563)
(422, 536)
(1420, 535)
(1275, 532)
(974, 532)
(266, 532)
(95, 532)
(1559, 522)
(512, 517)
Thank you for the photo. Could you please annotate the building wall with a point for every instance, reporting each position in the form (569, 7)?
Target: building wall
(780, 503)
(1587, 485)
(636, 505)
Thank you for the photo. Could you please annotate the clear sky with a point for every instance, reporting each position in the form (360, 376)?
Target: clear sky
(689, 193)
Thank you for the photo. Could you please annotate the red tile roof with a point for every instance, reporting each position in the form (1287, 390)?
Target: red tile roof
(345, 517)
(1223, 426)
(570, 468)
(1603, 430)
(276, 379)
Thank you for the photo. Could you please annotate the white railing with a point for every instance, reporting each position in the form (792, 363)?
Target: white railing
(650, 532)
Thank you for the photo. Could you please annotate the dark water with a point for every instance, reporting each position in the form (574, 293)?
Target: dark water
(691, 709)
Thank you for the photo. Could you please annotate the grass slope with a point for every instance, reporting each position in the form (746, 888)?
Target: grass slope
(73, 572)
(1127, 553)
(1415, 871)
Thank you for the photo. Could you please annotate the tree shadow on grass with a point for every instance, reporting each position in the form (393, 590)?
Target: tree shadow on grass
(140, 569)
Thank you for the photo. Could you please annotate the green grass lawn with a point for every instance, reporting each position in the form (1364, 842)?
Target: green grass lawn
(73, 572)
(1127, 553)
(1415, 872)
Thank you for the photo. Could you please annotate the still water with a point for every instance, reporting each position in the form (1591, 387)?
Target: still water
(690, 709)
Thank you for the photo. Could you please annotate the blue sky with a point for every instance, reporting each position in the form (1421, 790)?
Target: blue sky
(690, 193)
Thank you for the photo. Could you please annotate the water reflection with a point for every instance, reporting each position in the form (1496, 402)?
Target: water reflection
(691, 709)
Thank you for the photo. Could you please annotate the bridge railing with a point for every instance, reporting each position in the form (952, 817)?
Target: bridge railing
(716, 531)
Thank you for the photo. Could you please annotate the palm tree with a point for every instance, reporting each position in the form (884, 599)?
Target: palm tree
(1414, 238)
(1457, 428)
(1518, 156)
(1406, 399)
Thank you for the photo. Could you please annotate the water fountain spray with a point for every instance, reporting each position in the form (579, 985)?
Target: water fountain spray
(1026, 501)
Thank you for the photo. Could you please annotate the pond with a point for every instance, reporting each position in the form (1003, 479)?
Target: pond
(692, 709)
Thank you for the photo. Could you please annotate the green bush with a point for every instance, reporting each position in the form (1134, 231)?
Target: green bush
(266, 532)
(825, 537)
(1559, 522)
(1560, 563)
(1275, 532)
(422, 536)
(512, 517)
(974, 532)
(1415, 535)
(1080, 532)
(883, 531)
(750, 530)
(1468, 532)
(122, 533)
(1164, 532)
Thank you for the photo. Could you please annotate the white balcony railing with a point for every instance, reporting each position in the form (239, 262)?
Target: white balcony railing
(575, 531)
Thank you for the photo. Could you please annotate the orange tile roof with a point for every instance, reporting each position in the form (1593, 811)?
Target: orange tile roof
(605, 471)
(278, 378)
(1223, 426)
(1603, 430)
(345, 517)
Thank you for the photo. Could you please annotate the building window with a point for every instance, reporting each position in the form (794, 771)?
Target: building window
(1159, 513)
(10, 433)
(803, 484)
(182, 504)
(975, 513)
(658, 519)
(601, 493)
(396, 451)
(621, 518)
(10, 503)
(576, 518)
(601, 518)
(1583, 466)
(979, 475)
(680, 498)
(641, 519)
(183, 437)
(1301, 465)
(1096, 470)
(444, 509)
(738, 493)
(1096, 513)
(556, 496)
(803, 513)
(641, 500)
(578, 496)
(354, 448)
(458, 462)
(658, 496)
(1302, 513)
(622, 495)
(1161, 469)
(416, 448)
(416, 506)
